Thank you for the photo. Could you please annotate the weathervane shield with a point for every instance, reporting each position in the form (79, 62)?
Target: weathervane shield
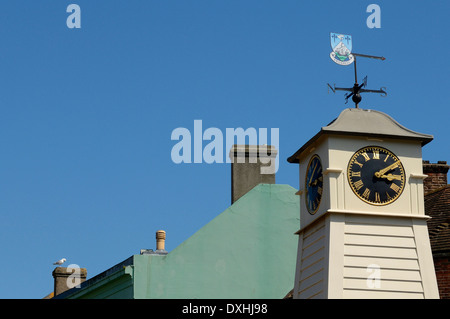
(341, 44)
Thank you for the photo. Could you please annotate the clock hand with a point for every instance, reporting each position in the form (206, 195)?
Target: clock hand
(391, 177)
(384, 170)
(312, 174)
(316, 181)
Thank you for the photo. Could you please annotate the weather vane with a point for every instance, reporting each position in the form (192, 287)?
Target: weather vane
(341, 54)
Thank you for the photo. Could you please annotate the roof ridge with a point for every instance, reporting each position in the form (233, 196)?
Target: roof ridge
(437, 190)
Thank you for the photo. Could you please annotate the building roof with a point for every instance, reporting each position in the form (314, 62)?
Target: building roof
(361, 122)
(247, 251)
(437, 205)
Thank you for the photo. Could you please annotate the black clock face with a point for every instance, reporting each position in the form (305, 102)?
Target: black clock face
(313, 184)
(376, 175)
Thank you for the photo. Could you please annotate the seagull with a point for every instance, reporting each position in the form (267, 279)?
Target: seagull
(60, 262)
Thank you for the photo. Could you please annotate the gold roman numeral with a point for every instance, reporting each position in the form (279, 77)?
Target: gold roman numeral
(360, 165)
(377, 198)
(395, 187)
(376, 154)
(356, 174)
(358, 185)
(366, 193)
(313, 205)
(388, 198)
(365, 156)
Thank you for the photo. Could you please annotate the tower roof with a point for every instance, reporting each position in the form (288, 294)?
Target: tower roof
(360, 122)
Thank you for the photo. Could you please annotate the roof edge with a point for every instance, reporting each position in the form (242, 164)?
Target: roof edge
(335, 128)
(92, 282)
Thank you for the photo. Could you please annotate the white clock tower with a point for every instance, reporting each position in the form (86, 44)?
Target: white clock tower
(363, 227)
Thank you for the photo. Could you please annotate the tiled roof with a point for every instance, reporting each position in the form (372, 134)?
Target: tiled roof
(437, 206)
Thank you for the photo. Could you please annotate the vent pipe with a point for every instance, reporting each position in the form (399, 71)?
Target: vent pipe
(160, 240)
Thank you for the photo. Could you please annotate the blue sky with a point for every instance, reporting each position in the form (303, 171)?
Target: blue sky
(86, 115)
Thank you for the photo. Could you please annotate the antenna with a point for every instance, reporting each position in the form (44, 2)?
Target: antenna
(342, 45)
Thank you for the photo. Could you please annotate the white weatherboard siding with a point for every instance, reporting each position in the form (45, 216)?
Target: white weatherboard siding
(392, 248)
(310, 278)
(365, 256)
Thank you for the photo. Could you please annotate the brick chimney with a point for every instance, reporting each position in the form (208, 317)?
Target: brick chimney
(437, 175)
(251, 165)
(62, 282)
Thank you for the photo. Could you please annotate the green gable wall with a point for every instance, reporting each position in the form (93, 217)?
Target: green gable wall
(119, 286)
(248, 251)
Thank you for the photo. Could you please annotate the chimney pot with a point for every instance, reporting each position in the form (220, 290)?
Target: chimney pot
(62, 274)
(160, 240)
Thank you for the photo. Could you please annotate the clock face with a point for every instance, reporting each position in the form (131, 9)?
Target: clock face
(313, 184)
(376, 175)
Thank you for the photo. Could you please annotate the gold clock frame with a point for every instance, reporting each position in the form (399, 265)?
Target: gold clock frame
(312, 212)
(389, 153)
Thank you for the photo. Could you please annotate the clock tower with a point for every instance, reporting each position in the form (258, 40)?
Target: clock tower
(363, 227)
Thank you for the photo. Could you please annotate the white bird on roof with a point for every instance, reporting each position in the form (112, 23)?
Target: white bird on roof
(60, 262)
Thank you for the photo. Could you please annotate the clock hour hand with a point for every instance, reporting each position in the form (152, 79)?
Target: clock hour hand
(391, 177)
(316, 181)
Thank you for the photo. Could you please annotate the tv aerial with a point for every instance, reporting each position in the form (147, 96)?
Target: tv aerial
(341, 54)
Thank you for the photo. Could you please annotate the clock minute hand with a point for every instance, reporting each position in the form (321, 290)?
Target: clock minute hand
(381, 172)
(312, 175)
